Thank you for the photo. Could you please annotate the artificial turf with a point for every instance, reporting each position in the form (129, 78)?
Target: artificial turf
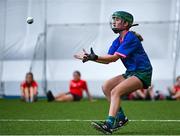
(50, 118)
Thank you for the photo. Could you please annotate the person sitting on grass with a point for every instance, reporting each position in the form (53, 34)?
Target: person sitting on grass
(29, 88)
(76, 88)
(175, 90)
(142, 94)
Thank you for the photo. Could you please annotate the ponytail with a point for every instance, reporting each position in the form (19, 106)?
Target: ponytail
(138, 36)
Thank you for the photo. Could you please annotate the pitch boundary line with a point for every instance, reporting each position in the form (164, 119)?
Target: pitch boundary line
(75, 120)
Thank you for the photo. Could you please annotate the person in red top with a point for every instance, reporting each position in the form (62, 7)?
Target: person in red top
(76, 88)
(175, 90)
(29, 88)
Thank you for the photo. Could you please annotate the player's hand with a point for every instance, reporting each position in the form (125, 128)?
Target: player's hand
(84, 56)
(81, 55)
(92, 56)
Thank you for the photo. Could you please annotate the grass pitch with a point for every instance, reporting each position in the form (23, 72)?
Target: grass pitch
(73, 118)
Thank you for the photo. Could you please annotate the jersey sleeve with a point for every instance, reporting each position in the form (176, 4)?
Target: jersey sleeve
(127, 47)
(35, 84)
(112, 50)
(113, 47)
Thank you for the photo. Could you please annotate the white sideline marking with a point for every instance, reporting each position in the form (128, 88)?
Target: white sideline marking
(75, 120)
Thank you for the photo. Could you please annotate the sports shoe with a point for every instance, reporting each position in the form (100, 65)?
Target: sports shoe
(50, 96)
(103, 127)
(120, 123)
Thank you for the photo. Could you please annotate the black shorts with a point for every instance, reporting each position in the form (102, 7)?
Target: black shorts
(75, 97)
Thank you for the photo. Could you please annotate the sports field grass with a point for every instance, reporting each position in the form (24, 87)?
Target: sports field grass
(46, 118)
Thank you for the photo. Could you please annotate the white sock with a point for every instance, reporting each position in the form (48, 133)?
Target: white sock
(32, 99)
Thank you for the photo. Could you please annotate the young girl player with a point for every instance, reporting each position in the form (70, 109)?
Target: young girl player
(76, 88)
(127, 47)
(29, 88)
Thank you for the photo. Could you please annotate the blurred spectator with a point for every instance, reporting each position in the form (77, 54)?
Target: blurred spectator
(175, 90)
(150, 93)
(29, 88)
(142, 94)
(137, 95)
(159, 96)
(75, 93)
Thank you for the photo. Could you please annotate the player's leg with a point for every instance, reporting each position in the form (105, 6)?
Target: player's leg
(134, 96)
(131, 96)
(107, 87)
(126, 86)
(130, 84)
(110, 84)
(31, 91)
(35, 97)
(140, 94)
(50, 96)
(149, 93)
(177, 96)
(171, 91)
(26, 94)
(60, 95)
(65, 98)
(35, 93)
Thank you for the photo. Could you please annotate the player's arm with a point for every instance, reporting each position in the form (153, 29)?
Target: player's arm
(22, 91)
(173, 90)
(88, 95)
(35, 90)
(85, 87)
(106, 59)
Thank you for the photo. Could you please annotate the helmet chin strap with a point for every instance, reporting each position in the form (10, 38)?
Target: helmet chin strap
(116, 30)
